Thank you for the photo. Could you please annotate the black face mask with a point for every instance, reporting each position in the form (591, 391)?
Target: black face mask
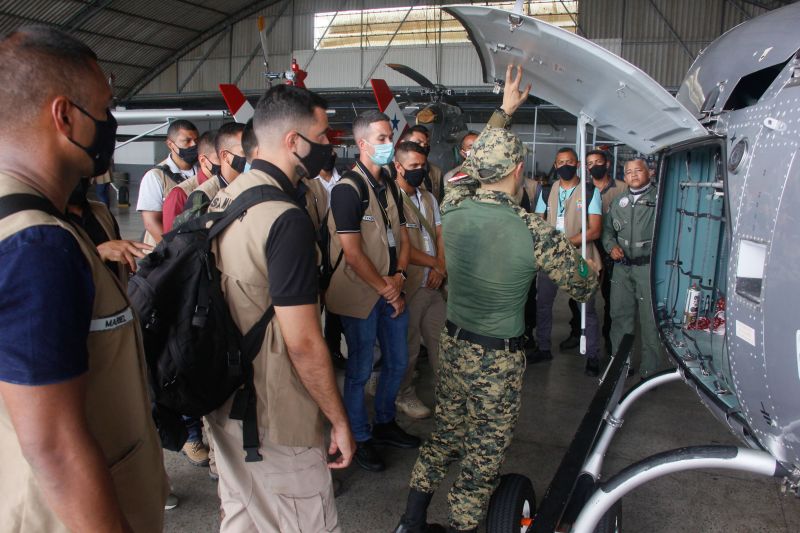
(317, 157)
(101, 148)
(567, 172)
(216, 170)
(328, 167)
(416, 176)
(598, 171)
(427, 149)
(78, 194)
(238, 163)
(189, 155)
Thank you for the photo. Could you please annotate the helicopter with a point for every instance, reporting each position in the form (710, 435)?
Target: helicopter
(723, 252)
(442, 115)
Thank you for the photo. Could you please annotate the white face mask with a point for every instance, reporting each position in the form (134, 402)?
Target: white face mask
(466, 153)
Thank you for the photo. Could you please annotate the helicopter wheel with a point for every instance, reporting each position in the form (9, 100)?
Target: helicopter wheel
(512, 506)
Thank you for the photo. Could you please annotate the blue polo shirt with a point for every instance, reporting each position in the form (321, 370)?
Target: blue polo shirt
(46, 299)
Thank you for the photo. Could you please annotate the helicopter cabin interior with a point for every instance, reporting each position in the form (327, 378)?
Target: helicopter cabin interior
(690, 263)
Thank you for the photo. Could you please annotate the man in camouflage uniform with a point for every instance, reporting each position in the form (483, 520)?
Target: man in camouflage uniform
(488, 238)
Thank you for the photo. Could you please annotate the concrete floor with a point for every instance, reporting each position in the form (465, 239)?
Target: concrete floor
(555, 396)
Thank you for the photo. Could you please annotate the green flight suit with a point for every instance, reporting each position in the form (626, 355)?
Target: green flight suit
(629, 225)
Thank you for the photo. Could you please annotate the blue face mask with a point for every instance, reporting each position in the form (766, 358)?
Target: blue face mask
(246, 167)
(384, 153)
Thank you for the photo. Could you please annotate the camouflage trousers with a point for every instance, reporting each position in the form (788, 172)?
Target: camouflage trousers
(478, 396)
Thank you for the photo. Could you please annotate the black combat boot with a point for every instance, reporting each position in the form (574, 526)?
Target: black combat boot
(415, 519)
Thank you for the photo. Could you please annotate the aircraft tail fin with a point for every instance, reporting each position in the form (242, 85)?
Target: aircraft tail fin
(238, 105)
(388, 105)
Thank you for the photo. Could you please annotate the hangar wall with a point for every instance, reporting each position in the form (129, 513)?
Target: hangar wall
(662, 37)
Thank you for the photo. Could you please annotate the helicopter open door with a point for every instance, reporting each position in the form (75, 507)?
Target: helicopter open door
(580, 77)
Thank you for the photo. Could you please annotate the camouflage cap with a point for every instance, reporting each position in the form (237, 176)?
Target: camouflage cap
(494, 155)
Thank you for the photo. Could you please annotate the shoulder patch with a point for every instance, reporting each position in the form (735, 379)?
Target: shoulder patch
(624, 201)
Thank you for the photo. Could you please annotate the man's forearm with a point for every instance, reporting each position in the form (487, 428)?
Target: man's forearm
(420, 258)
(76, 483)
(314, 367)
(365, 270)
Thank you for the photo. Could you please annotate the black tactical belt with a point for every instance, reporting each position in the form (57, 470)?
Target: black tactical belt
(639, 261)
(490, 343)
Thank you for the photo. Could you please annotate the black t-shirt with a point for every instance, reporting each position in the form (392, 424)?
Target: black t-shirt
(346, 209)
(290, 252)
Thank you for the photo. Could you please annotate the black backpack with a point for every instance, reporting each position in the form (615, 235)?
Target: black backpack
(196, 356)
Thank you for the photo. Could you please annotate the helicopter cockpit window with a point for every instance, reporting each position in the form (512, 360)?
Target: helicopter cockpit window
(752, 87)
(750, 269)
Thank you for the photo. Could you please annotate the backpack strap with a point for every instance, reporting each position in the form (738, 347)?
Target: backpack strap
(249, 198)
(244, 402)
(361, 188)
(176, 178)
(14, 203)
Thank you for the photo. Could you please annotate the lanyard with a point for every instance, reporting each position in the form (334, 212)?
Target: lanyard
(386, 220)
(563, 196)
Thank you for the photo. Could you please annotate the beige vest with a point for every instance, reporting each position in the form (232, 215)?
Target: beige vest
(188, 186)
(415, 238)
(572, 217)
(117, 404)
(610, 194)
(348, 294)
(106, 220)
(210, 187)
(435, 174)
(167, 184)
(316, 202)
(287, 415)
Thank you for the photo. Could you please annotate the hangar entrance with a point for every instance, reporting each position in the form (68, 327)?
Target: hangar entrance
(691, 251)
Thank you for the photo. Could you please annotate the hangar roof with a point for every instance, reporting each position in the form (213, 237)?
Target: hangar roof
(137, 39)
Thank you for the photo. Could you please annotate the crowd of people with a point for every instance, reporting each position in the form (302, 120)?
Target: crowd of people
(394, 254)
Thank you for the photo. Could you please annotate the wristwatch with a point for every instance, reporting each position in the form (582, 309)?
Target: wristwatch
(401, 272)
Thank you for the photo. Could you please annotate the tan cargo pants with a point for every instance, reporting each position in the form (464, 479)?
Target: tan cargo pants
(290, 491)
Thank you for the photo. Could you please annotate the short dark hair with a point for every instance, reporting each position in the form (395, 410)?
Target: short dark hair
(365, 120)
(406, 147)
(417, 128)
(179, 125)
(206, 143)
(283, 107)
(601, 153)
(228, 136)
(38, 63)
(464, 138)
(249, 140)
(567, 149)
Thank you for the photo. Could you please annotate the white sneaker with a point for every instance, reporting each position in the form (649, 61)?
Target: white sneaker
(171, 503)
(413, 407)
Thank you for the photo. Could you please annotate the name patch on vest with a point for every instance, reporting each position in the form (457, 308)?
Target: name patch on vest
(368, 218)
(112, 322)
(410, 225)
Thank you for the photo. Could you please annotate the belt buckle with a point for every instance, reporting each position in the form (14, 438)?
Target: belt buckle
(507, 343)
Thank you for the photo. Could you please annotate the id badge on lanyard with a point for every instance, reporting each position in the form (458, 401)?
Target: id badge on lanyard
(390, 237)
(560, 223)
